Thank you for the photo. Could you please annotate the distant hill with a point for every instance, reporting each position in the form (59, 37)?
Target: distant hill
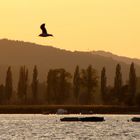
(17, 53)
(118, 58)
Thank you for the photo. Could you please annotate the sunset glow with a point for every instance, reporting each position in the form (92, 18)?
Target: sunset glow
(83, 25)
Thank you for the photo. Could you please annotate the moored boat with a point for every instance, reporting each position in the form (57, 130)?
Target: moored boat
(135, 119)
(83, 119)
(70, 119)
(92, 119)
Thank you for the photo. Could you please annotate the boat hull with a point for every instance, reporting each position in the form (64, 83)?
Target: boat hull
(83, 119)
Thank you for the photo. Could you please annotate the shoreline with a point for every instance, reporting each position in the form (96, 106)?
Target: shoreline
(70, 109)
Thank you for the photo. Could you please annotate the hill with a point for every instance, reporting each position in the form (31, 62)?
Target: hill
(118, 58)
(17, 53)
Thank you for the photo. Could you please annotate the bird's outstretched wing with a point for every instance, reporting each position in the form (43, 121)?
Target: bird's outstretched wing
(44, 31)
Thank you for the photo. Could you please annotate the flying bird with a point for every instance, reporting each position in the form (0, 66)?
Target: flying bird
(44, 31)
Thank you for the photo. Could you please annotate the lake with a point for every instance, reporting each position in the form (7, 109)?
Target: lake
(49, 127)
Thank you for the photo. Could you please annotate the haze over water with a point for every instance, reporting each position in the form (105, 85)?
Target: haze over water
(46, 127)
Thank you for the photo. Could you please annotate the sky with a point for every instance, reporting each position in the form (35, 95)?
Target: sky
(82, 25)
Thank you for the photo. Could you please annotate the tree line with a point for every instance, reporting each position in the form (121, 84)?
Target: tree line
(61, 87)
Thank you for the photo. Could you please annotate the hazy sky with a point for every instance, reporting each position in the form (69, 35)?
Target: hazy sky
(110, 25)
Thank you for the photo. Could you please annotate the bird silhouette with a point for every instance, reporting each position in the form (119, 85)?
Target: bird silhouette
(44, 31)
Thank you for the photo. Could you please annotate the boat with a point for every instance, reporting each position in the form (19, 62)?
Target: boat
(135, 119)
(83, 119)
(92, 119)
(70, 119)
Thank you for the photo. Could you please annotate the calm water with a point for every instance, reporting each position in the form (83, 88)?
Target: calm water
(48, 127)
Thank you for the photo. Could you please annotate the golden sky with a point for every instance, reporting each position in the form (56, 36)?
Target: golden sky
(110, 25)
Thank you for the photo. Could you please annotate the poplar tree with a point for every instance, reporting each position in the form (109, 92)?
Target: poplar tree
(8, 85)
(76, 84)
(34, 84)
(49, 93)
(2, 91)
(103, 83)
(118, 82)
(132, 83)
(23, 84)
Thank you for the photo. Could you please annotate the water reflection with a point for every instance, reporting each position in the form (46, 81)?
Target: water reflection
(46, 127)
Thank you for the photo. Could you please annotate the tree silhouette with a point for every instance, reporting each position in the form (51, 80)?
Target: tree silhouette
(118, 82)
(49, 94)
(103, 84)
(60, 90)
(132, 84)
(65, 84)
(2, 95)
(8, 85)
(89, 81)
(35, 83)
(76, 84)
(58, 86)
(22, 84)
